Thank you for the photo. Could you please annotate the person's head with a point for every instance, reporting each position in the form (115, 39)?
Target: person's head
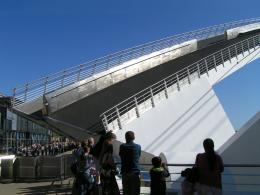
(91, 141)
(129, 136)
(83, 144)
(208, 145)
(156, 161)
(110, 137)
(86, 149)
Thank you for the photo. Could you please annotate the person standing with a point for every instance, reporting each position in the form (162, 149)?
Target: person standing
(91, 144)
(130, 153)
(108, 166)
(158, 175)
(209, 166)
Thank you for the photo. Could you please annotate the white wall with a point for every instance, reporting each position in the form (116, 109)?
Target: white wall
(180, 123)
(243, 148)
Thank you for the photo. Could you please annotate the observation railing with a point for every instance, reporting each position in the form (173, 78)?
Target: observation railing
(144, 100)
(35, 89)
(235, 177)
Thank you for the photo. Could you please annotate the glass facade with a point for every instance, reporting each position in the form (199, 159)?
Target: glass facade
(16, 131)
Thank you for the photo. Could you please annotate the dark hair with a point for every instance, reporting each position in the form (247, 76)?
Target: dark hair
(208, 145)
(156, 161)
(86, 149)
(129, 136)
(110, 135)
(98, 146)
(83, 144)
(191, 174)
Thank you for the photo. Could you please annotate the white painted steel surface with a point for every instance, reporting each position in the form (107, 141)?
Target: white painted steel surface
(114, 75)
(223, 62)
(243, 147)
(180, 123)
(33, 90)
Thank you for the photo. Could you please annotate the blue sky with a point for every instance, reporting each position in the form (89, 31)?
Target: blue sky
(45, 36)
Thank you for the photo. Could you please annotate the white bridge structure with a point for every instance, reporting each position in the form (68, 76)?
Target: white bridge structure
(163, 91)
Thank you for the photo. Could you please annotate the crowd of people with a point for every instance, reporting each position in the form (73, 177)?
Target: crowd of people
(95, 169)
(51, 149)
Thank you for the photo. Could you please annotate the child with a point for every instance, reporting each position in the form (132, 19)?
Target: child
(158, 174)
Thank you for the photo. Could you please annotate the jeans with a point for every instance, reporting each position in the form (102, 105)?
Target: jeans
(131, 183)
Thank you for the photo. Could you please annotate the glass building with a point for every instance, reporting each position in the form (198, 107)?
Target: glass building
(16, 130)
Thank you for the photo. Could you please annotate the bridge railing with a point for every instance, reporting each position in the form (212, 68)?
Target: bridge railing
(41, 167)
(144, 100)
(33, 90)
(235, 178)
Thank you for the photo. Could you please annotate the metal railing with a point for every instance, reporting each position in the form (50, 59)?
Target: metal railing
(235, 178)
(144, 100)
(33, 90)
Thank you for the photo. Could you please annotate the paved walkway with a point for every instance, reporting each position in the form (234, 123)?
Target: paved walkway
(44, 188)
(37, 188)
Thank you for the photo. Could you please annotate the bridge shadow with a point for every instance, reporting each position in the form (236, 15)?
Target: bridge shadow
(189, 113)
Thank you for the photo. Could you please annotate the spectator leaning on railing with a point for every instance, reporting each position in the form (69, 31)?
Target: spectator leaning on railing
(209, 166)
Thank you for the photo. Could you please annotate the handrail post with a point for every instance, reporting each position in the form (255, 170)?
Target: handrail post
(178, 84)
(45, 85)
(215, 63)
(166, 89)
(242, 46)
(108, 59)
(229, 54)
(118, 118)
(152, 47)
(254, 40)
(198, 67)
(120, 58)
(26, 91)
(131, 55)
(236, 51)
(152, 99)
(136, 108)
(63, 77)
(206, 65)
(80, 69)
(222, 58)
(142, 51)
(94, 67)
(188, 71)
(106, 122)
(248, 47)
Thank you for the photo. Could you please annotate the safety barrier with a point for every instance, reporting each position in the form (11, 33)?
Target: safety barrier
(235, 178)
(50, 167)
(25, 167)
(37, 168)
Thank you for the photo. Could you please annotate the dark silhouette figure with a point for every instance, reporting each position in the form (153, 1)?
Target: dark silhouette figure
(209, 166)
(108, 166)
(130, 154)
(158, 176)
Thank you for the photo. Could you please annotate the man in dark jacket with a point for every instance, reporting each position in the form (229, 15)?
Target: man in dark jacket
(130, 154)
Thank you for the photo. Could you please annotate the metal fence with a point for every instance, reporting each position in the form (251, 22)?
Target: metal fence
(144, 100)
(235, 178)
(33, 90)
